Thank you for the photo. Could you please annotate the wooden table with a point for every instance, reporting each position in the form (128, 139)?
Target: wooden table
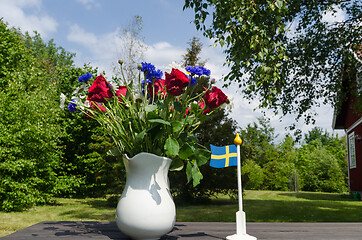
(77, 230)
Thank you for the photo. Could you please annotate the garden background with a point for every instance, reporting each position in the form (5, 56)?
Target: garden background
(47, 152)
(54, 165)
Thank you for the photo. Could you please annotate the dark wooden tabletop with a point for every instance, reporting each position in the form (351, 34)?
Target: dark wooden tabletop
(77, 230)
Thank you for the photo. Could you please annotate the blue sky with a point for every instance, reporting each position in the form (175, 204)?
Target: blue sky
(92, 29)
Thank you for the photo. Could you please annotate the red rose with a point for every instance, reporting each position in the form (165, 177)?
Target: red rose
(158, 87)
(99, 90)
(95, 106)
(121, 91)
(214, 98)
(202, 106)
(176, 82)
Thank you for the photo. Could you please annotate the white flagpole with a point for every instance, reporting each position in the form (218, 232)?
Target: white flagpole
(240, 193)
(240, 215)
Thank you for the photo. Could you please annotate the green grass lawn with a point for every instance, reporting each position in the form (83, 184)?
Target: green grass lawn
(260, 206)
(275, 206)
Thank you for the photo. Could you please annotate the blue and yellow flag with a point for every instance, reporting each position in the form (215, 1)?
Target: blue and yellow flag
(223, 156)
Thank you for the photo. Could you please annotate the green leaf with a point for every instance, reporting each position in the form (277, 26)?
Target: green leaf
(177, 106)
(161, 104)
(196, 175)
(279, 4)
(176, 165)
(186, 151)
(189, 119)
(160, 121)
(150, 108)
(188, 171)
(172, 147)
(222, 42)
(191, 138)
(152, 115)
(176, 126)
(202, 156)
(140, 136)
(114, 152)
(195, 107)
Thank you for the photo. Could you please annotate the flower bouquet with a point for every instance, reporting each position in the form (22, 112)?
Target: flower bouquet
(151, 114)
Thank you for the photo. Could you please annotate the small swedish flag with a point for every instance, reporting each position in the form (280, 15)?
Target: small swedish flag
(223, 156)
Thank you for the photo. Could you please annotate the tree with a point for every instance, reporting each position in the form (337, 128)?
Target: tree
(191, 57)
(335, 145)
(132, 48)
(45, 151)
(258, 152)
(283, 52)
(320, 170)
(259, 141)
(30, 150)
(49, 54)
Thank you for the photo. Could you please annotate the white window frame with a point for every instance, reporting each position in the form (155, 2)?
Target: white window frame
(352, 150)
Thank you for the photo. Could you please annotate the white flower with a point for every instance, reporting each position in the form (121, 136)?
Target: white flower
(230, 105)
(62, 100)
(82, 87)
(176, 66)
(86, 104)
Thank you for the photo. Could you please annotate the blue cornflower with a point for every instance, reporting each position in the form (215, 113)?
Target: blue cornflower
(147, 67)
(156, 74)
(148, 81)
(72, 107)
(151, 71)
(198, 70)
(85, 77)
(206, 72)
(193, 81)
(190, 69)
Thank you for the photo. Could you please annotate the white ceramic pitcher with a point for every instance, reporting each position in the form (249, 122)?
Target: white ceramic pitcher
(146, 209)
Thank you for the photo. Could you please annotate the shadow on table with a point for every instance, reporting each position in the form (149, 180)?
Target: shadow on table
(73, 228)
(177, 233)
(97, 230)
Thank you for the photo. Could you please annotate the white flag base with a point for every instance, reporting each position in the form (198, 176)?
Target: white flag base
(240, 228)
(241, 237)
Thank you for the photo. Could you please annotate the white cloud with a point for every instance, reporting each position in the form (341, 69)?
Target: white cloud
(162, 54)
(334, 15)
(100, 48)
(80, 36)
(103, 50)
(89, 3)
(13, 12)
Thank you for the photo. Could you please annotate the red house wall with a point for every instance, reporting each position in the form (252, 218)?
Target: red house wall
(355, 174)
(351, 116)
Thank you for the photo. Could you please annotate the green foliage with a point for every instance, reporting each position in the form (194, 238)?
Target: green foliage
(49, 55)
(319, 164)
(252, 175)
(191, 57)
(89, 169)
(281, 52)
(45, 152)
(29, 144)
(320, 169)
